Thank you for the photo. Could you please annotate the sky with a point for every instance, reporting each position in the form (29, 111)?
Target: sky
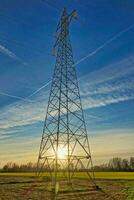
(102, 38)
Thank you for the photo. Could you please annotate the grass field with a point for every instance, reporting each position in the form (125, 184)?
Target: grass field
(24, 186)
(98, 175)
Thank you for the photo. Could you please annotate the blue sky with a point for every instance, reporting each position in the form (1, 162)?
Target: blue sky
(103, 46)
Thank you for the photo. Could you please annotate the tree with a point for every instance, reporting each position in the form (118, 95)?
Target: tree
(115, 163)
(14, 167)
(125, 165)
(7, 167)
(131, 163)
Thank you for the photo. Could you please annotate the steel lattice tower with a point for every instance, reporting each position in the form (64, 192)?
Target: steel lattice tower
(64, 145)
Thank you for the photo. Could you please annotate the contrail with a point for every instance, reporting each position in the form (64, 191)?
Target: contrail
(105, 44)
(16, 97)
(39, 89)
(116, 36)
(92, 53)
(25, 99)
(10, 54)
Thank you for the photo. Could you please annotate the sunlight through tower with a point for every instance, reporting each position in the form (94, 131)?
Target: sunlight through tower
(64, 149)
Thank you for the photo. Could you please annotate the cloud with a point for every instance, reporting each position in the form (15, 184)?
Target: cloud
(91, 102)
(116, 70)
(116, 36)
(111, 84)
(96, 88)
(24, 113)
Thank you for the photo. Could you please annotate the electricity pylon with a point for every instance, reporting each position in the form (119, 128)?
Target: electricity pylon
(64, 144)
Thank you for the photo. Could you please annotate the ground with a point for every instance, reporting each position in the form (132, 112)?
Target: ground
(113, 186)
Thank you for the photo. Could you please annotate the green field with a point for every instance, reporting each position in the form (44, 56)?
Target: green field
(98, 175)
(25, 186)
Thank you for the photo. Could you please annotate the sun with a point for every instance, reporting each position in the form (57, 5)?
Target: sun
(62, 152)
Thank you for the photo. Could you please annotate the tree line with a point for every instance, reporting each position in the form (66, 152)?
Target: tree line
(117, 164)
(114, 164)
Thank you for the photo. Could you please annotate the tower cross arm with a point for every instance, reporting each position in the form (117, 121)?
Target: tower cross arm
(67, 17)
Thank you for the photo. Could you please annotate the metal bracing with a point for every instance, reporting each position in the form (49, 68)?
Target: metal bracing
(64, 127)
